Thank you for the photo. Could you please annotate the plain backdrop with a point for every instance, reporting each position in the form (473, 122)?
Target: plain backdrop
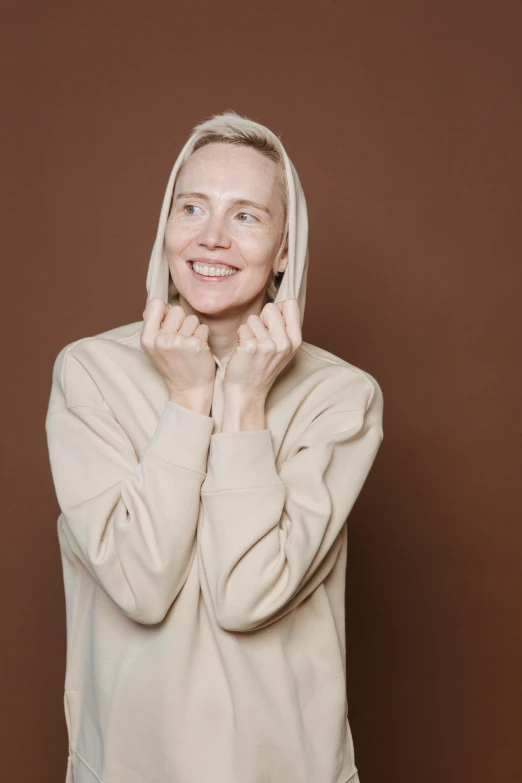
(403, 120)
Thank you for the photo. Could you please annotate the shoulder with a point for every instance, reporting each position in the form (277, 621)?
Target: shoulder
(77, 363)
(345, 386)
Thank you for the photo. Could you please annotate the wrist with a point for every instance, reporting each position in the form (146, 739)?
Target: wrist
(199, 403)
(243, 413)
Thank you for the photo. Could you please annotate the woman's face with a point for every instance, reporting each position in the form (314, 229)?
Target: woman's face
(227, 211)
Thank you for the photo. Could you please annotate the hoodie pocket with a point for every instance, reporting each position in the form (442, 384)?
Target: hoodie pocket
(71, 719)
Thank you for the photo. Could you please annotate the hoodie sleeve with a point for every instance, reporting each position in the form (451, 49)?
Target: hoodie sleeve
(131, 521)
(269, 538)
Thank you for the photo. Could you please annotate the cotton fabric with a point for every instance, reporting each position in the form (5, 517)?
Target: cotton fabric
(204, 571)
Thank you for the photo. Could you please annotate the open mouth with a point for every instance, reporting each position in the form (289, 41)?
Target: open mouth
(217, 277)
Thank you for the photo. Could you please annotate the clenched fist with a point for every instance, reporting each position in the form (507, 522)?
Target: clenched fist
(266, 344)
(177, 344)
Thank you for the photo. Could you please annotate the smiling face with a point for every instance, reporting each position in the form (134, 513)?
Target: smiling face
(225, 228)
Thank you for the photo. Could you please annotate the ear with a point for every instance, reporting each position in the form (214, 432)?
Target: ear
(282, 263)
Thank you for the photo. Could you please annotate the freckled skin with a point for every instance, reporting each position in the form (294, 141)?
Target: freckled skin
(205, 222)
(213, 227)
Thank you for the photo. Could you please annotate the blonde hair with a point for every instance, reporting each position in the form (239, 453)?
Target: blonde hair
(232, 128)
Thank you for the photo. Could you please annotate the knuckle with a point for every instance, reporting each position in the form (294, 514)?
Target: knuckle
(160, 344)
(163, 341)
(145, 342)
(267, 345)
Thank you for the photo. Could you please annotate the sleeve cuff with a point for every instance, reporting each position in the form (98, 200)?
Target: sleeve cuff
(182, 437)
(241, 460)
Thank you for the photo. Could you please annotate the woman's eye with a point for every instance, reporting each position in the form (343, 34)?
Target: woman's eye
(191, 207)
(246, 214)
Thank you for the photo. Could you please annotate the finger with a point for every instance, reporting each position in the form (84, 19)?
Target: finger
(203, 333)
(245, 333)
(153, 316)
(258, 328)
(146, 305)
(273, 319)
(189, 325)
(173, 319)
(292, 317)
(153, 299)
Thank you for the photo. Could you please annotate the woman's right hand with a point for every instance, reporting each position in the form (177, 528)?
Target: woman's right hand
(178, 346)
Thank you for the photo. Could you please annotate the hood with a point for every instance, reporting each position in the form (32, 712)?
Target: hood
(293, 282)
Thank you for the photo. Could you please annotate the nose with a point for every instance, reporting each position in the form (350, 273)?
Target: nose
(214, 232)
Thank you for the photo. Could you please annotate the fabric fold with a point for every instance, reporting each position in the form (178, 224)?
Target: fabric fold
(241, 459)
(131, 522)
(182, 437)
(266, 535)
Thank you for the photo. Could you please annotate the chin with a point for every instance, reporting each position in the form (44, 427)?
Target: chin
(216, 306)
(202, 302)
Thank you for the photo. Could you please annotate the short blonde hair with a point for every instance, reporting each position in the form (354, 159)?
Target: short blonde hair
(232, 128)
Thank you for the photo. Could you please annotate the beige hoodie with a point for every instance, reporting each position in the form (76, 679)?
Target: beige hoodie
(204, 571)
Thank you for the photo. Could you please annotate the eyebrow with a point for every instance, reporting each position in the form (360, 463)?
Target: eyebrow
(238, 202)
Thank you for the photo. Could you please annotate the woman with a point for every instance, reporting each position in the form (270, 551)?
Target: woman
(205, 460)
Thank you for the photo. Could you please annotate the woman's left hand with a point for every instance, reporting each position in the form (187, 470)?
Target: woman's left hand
(266, 344)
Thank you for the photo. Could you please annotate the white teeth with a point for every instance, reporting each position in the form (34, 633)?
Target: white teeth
(212, 271)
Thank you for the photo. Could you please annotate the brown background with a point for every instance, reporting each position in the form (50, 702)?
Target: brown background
(404, 122)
